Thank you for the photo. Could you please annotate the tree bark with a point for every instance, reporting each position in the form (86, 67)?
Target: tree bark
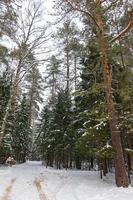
(120, 169)
(130, 147)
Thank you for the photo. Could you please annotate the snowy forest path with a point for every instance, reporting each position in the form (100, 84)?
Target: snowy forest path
(33, 181)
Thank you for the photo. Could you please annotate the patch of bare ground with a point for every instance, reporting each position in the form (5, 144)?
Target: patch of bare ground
(8, 190)
(37, 184)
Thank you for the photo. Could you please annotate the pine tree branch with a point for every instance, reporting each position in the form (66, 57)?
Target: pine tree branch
(129, 26)
(77, 8)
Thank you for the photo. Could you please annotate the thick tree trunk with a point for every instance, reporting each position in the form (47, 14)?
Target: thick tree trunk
(120, 170)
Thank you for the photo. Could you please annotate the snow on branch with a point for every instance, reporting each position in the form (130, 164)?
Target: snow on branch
(129, 150)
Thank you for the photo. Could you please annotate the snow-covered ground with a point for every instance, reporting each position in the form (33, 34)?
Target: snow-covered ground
(32, 181)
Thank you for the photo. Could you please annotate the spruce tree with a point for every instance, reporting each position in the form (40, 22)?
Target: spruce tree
(34, 86)
(5, 86)
(53, 71)
(22, 137)
(55, 132)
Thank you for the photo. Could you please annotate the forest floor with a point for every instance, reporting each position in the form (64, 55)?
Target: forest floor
(32, 181)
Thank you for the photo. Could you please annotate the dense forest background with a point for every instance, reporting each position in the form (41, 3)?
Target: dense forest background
(66, 84)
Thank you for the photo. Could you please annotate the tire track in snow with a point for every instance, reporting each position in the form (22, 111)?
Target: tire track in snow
(37, 184)
(8, 190)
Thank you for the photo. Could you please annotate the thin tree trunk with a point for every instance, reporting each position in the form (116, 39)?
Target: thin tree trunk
(130, 147)
(53, 92)
(68, 68)
(31, 102)
(105, 167)
(92, 162)
(75, 71)
(120, 169)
